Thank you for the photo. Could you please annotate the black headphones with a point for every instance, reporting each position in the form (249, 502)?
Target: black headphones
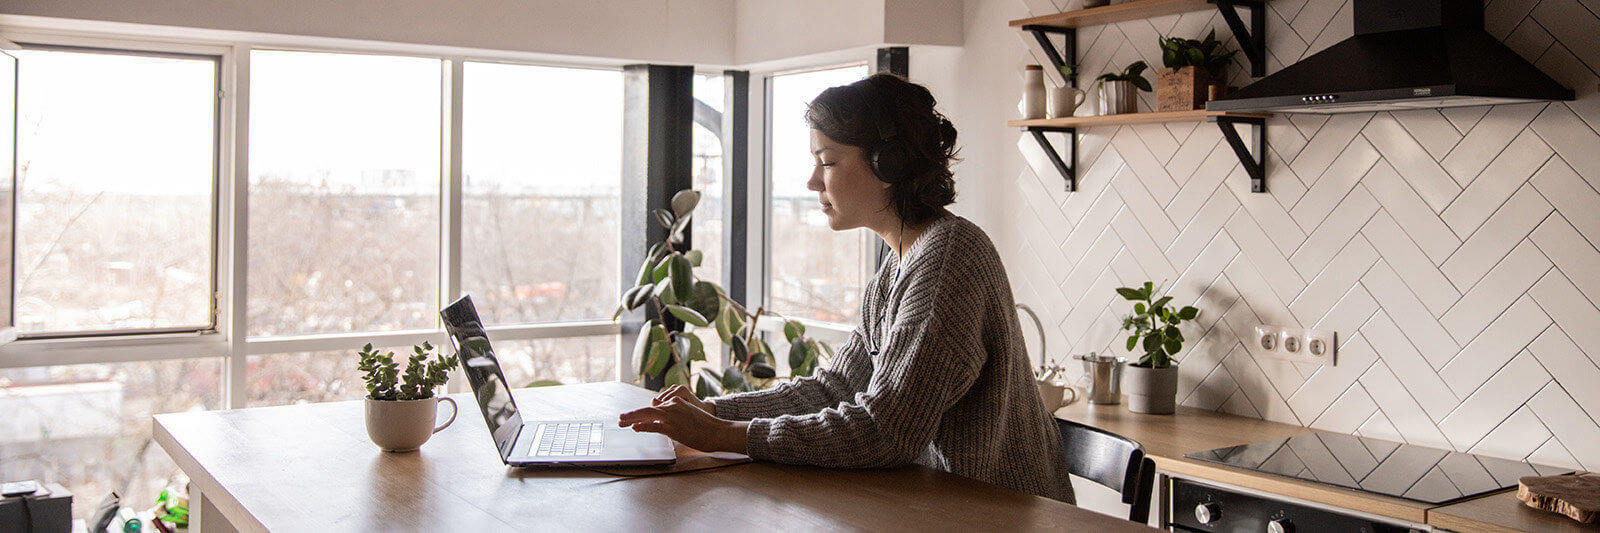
(887, 158)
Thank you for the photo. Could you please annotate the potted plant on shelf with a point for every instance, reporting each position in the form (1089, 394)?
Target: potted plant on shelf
(1152, 382)
(1116, 89)
(401, 405)
(667, 345)
(1192, 67)
(1064, 100)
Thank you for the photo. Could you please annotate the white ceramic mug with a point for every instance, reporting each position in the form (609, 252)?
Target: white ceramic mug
(1065, 100)
(1053, 395)
(404, 425)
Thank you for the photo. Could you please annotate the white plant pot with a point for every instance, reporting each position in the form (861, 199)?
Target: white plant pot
(404, 425)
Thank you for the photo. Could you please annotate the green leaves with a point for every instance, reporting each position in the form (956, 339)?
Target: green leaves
(1131, 74)
(383, 378)
(1154, 326)
(1208, 54)
(684, 202)
(681, 272)
(688, 315)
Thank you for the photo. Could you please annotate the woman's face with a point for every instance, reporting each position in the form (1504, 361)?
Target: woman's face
(851, 196)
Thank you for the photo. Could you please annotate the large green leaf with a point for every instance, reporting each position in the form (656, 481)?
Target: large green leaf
(762, 371)
(1130, 294)
(660, 355)
(1152, 342)
(641, 346)
(1138, 308)
(696, 350)
(706, 388)
(1133, 342)
(665, 292)
(741, 355)
(733, 380)
(703, 299)
(660, 271)
(644, 272)
(797, 355)
(663, 217)
(695, 257)
(682, 276)
(1163, 301)
(685, 201)
(793, 330)
(688, 315)
(723, 323)
(676, 233)
(1188, 313)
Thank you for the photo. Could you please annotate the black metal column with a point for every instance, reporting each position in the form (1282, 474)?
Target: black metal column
(657, 162)
(736, 183)
(894, 60)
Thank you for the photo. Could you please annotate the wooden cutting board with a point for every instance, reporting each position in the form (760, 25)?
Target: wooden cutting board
(1577, 497)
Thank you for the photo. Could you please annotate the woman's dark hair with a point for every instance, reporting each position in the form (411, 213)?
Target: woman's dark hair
(894, 121)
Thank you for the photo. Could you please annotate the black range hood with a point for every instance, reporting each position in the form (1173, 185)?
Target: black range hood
(1406, 54)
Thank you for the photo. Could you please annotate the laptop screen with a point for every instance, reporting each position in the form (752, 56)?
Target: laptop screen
(489, 385)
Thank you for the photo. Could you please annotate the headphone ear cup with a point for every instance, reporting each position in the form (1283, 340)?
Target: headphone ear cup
(888, 163)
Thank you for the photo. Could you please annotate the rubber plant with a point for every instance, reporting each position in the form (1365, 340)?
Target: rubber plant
(1154, 325)
(667, 345)
(385, 381)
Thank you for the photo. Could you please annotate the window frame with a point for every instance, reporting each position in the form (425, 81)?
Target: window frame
(828, 331)
(226, 338)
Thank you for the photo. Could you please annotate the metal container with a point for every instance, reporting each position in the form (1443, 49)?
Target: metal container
(1118, 97)
(1105, 377)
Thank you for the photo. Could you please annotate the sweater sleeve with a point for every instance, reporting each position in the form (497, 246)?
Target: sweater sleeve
(827, 386)
(933, 355)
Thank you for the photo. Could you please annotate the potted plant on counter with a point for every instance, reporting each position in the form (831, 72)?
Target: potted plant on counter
(1152, 382)
(1116, 89)
(401, 405)
(1192, 67)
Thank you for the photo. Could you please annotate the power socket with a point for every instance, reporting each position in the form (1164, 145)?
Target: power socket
(1315, 346)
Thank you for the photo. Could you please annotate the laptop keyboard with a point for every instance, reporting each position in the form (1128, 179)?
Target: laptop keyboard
(568, 439)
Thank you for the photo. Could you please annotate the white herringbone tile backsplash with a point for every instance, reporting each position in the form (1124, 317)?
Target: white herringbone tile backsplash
(1454, 251)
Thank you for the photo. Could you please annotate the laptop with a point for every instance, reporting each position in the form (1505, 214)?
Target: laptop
(543, 442)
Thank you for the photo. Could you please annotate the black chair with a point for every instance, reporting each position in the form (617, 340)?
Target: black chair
(1113, 461)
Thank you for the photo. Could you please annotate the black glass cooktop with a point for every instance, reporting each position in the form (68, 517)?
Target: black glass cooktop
(1418, 473)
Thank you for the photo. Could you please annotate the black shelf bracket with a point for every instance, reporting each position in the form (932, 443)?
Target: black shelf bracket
(1254, 164)
(1068, 170)
(1058, 58)
(1252, 40)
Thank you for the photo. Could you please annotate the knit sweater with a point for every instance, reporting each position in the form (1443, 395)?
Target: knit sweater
(935, 374)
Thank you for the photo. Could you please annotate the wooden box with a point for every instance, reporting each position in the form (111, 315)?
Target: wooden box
(1182, 89)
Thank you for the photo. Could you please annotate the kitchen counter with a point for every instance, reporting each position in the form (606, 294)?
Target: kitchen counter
(1167, 438)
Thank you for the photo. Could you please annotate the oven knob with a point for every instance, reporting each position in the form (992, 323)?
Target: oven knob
(1207, 513)
(1281, 525)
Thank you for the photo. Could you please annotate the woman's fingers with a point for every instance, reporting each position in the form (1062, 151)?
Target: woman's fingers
(640, 415)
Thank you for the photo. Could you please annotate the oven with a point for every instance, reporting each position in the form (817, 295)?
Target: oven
(1195, 506)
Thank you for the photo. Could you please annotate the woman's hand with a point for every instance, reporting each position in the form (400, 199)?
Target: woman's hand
(690, 425)
(684, 395)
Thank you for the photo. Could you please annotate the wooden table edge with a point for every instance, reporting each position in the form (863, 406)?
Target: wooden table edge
(210, 489)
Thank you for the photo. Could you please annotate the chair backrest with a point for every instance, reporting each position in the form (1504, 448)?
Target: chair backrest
(1111, 460)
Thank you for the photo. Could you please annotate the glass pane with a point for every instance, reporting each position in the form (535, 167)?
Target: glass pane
(88, 427)
(306, 377)
(566, 359)
(344, 192)
(817, 273)
(114, 198)
(542, 154)
(707, 226)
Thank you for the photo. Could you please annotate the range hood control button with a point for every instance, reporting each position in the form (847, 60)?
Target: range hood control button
(1207, 513)
(1280, 526)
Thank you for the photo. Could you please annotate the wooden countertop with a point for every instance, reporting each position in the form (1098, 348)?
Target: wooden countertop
(1167, 438)
(311, 467)
(1502, 511)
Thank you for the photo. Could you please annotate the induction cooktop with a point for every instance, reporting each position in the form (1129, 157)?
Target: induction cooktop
(1418, 473)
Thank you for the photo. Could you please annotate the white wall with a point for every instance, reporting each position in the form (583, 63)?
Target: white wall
(667, 31)
(1453, 251)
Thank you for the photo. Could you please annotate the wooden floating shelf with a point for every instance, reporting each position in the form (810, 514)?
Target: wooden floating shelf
(1094, 16)
(1132, 118)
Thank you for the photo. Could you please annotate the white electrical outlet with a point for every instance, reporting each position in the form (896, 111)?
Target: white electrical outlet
(1315, 346)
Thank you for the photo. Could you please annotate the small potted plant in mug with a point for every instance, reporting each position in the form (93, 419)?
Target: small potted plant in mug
(1152, 382)
(401, 405)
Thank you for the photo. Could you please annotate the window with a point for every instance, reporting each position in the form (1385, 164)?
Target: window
(88, 427)
(344, 192)
(816, 273)
(542, 156)
(117, 168)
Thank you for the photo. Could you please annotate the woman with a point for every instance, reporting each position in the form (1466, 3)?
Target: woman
(936, 373)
